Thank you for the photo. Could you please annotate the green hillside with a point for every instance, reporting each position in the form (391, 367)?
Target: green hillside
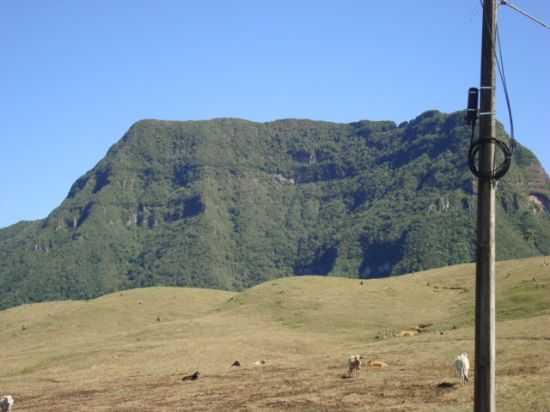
(229, 203)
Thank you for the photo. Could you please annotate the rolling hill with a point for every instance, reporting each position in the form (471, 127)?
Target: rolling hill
(130, 349)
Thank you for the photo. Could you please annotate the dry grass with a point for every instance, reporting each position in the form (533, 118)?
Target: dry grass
(128, 351)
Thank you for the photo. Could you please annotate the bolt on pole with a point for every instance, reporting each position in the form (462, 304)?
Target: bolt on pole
(484, 391)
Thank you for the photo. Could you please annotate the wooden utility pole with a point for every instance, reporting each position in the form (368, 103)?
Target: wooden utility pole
(484, 398)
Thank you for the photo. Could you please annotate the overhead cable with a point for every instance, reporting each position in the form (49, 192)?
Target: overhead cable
(475, 145)
(516, 8)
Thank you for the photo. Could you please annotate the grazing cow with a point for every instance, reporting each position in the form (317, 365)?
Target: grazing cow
(376, 363)
(6, 402)
(462, 366)
(354, 365)
(192, 377)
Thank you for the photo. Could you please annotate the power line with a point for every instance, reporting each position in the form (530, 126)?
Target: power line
(516, 8)
(507, 150)
(502, 76)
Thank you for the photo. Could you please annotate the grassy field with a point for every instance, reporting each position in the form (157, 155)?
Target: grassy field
(128, 351)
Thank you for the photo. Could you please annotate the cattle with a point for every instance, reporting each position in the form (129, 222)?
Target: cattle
(376, 363)
(6, 402)
(462, 367)
(410, 332)
(193, 377)
(354, 365)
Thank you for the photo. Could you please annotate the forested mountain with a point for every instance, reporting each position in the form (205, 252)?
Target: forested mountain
(228, 203)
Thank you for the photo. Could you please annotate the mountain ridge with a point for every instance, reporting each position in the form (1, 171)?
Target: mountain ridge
(228, 203)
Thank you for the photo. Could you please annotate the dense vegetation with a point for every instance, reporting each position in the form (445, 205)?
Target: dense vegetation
(229, 203)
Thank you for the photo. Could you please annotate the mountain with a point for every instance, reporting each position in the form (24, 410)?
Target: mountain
(229, 203)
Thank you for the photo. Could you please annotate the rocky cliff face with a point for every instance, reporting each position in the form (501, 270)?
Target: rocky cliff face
(229, 203)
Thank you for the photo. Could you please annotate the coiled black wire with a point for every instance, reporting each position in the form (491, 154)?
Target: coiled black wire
(497, 172)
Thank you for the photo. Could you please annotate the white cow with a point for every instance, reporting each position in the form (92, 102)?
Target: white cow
(354, 365)
(462, 367)
(6, 402)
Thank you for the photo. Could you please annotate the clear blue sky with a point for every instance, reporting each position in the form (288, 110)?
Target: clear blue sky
(76, 74)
